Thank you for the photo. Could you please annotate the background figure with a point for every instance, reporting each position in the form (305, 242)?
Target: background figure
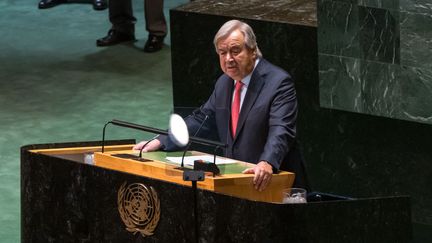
(123, 24)
(97, 4)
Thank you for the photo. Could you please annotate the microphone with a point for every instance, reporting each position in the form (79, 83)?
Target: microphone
(196, 133)
(138, 127)
(156, 131)
(180, 135)
(132, 126)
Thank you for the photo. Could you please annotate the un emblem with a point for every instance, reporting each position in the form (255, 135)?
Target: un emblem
(139, 208)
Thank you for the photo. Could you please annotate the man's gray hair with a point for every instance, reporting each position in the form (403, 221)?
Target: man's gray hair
(245, 29)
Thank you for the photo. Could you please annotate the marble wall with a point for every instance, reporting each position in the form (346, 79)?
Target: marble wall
(375, 57)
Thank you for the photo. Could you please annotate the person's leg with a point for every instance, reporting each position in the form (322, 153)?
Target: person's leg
(155, 18)
(121, 16)
(155, 25)
(122, 21)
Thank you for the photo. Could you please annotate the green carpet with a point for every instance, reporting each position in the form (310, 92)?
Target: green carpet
(57, 86)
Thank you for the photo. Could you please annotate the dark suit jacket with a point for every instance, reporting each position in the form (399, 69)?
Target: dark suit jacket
(266, 128)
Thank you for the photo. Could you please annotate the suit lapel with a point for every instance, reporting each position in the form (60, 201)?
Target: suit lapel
(253, 91)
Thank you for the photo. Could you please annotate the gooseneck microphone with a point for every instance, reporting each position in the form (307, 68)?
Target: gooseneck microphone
(190, 142)
(133, 126)
(156, 131)
(138, 127)
(103, 136)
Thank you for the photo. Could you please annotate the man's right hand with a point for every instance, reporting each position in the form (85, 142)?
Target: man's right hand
(151, 146)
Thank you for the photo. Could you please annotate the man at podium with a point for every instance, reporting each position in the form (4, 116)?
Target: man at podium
(253, 109)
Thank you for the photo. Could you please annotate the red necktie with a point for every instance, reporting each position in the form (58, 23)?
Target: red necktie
(235, 109)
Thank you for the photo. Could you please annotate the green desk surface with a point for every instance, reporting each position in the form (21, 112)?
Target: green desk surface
(235, 168)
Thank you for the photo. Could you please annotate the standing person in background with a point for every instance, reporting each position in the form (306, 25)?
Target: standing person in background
(97, 4)
(123, 24)
(253, 109)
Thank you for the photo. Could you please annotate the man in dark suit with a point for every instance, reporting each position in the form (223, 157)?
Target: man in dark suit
(253, 108)
(123, 24)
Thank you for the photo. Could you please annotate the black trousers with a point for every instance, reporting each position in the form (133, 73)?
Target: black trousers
(122, 19)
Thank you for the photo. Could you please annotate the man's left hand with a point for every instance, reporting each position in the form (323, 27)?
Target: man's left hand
(263, 173)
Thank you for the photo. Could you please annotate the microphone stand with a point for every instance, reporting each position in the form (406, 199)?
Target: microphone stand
(194, 176)
(189, 144)
(103, 135)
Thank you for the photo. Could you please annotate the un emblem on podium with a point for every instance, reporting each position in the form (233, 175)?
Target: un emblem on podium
(139, 208)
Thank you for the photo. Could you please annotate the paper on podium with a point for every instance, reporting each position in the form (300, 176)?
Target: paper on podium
(189, 160)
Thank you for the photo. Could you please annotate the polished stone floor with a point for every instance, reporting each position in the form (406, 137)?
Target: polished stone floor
(57, 86)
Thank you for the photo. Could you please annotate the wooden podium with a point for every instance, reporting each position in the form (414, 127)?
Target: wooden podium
(230, 182)
(65, 199)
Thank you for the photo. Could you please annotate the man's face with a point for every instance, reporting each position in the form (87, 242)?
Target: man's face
(236, 60)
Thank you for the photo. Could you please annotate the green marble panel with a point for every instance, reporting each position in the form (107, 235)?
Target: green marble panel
(417, 6)
(379, 34)
(399, 92)
(340, 84)
(338, 28)
(416, 98)
(416, 40)
(382, 51)
(382, 89)
(384, 4)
